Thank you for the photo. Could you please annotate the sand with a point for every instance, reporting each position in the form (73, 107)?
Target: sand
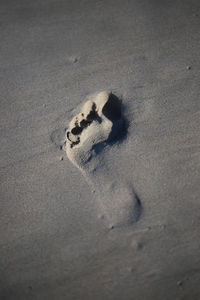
(55, 241)
(97, 127)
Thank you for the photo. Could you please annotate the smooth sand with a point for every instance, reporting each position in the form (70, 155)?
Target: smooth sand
(54, 242)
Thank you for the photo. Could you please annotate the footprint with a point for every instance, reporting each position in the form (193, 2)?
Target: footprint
(100, 123)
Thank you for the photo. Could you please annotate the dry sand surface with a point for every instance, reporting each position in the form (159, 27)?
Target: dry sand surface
(118, 217)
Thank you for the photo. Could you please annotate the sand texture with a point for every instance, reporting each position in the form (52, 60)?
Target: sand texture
(99, 124)
(100, 150)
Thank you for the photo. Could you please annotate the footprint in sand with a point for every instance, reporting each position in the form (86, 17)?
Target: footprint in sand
(99, 124)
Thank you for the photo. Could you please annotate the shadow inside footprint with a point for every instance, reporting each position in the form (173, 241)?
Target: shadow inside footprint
(112, 110)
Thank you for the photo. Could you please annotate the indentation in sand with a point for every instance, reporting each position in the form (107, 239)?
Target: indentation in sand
(99, 123)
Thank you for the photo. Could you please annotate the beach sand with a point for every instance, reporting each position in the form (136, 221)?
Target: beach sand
(56, 239)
